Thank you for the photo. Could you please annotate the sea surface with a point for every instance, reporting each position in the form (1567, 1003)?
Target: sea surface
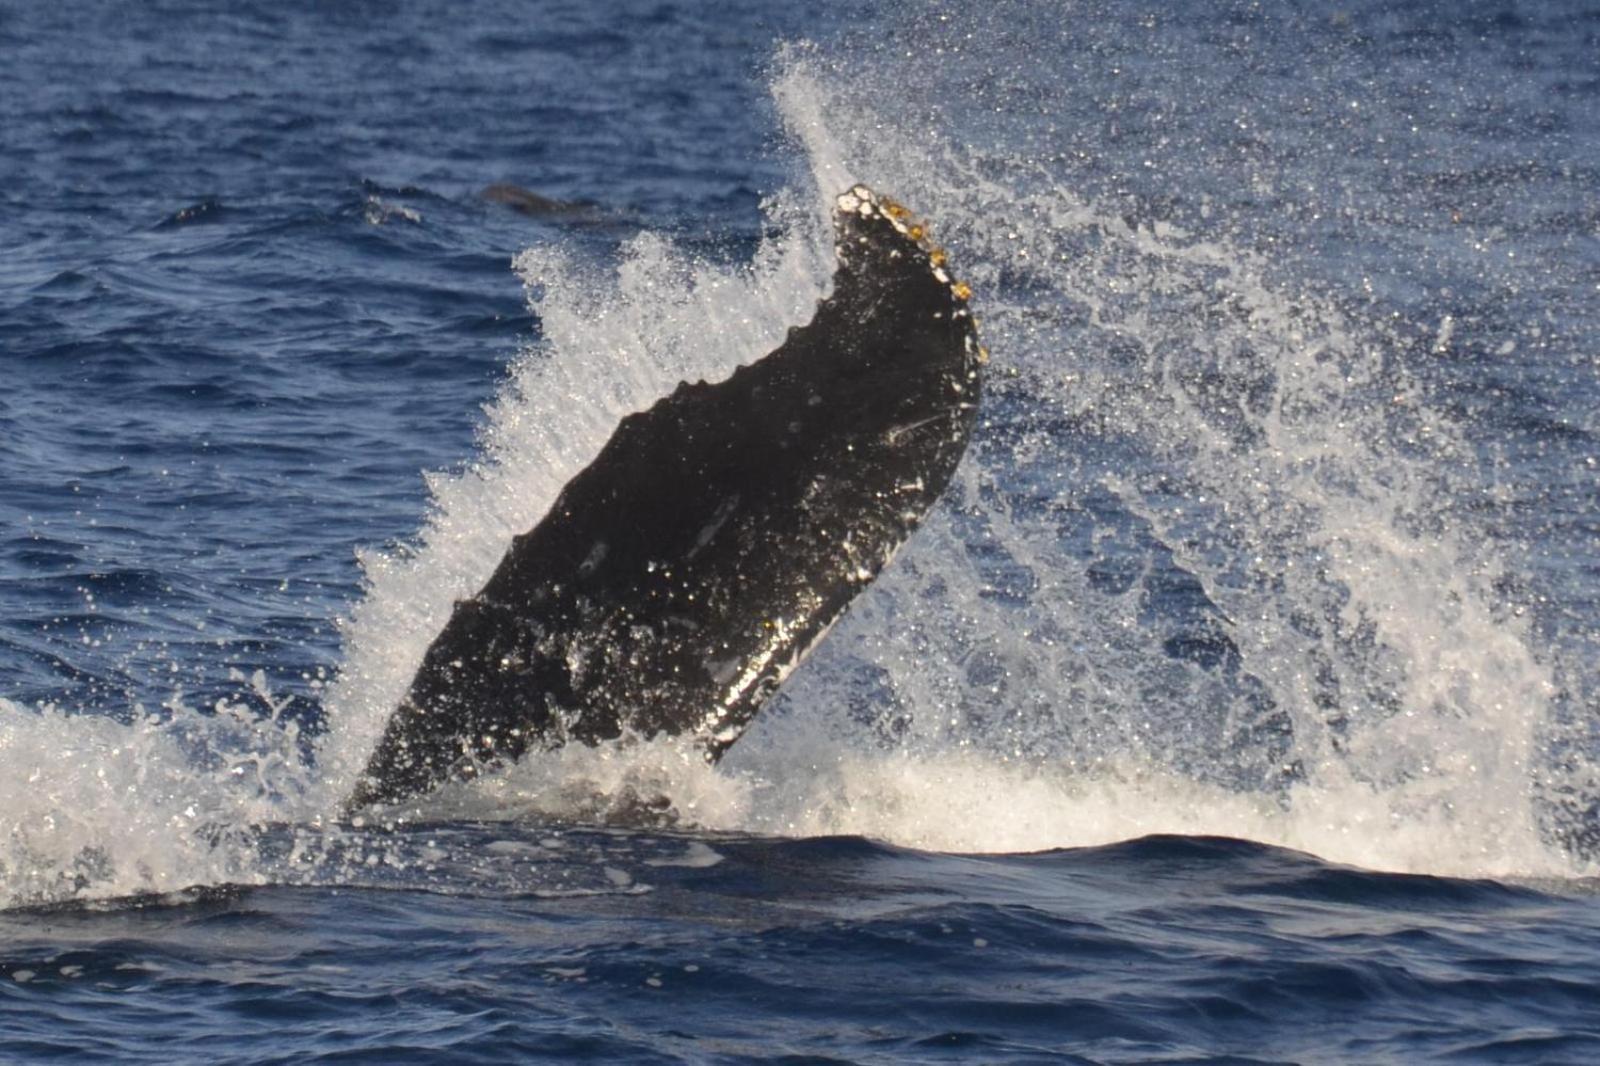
(1239, 703)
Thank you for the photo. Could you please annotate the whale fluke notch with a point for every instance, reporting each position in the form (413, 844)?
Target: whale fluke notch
(681, 576)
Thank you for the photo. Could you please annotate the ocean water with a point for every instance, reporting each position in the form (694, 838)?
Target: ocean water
(1239, 703)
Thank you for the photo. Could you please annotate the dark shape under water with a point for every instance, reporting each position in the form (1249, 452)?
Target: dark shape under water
(684, 573)
(527, 202)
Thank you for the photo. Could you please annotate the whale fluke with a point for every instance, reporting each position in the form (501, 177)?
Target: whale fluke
(681, 576)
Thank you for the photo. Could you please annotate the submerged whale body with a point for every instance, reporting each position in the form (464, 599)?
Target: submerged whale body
(529, 203)
(681, 576)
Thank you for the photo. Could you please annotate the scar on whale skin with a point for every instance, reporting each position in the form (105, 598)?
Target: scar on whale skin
(680, 577)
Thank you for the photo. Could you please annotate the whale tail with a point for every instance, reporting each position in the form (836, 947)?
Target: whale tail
(681, 576)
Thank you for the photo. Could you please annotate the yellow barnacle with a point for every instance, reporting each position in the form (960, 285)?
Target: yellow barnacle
(983, 356)
(916, 233)
(961, 290)
(936, 256)
(893, 209)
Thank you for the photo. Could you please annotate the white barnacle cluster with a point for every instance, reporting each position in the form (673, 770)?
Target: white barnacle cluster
(862, 201)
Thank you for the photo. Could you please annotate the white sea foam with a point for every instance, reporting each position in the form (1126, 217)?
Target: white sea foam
(96, 807)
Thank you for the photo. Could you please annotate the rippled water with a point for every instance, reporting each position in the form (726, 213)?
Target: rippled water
(1278, 539)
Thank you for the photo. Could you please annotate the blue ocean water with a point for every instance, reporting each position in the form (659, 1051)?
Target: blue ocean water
(1239, 703)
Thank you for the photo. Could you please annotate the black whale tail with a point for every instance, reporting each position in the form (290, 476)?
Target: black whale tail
(681, 576)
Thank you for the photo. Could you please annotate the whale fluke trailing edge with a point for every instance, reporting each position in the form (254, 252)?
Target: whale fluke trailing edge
(681, 576)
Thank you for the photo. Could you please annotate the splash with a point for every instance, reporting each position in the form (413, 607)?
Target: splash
(1209, 571)
(1212, 565)
(614, 342)
(1204, 572)
(101, 808)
